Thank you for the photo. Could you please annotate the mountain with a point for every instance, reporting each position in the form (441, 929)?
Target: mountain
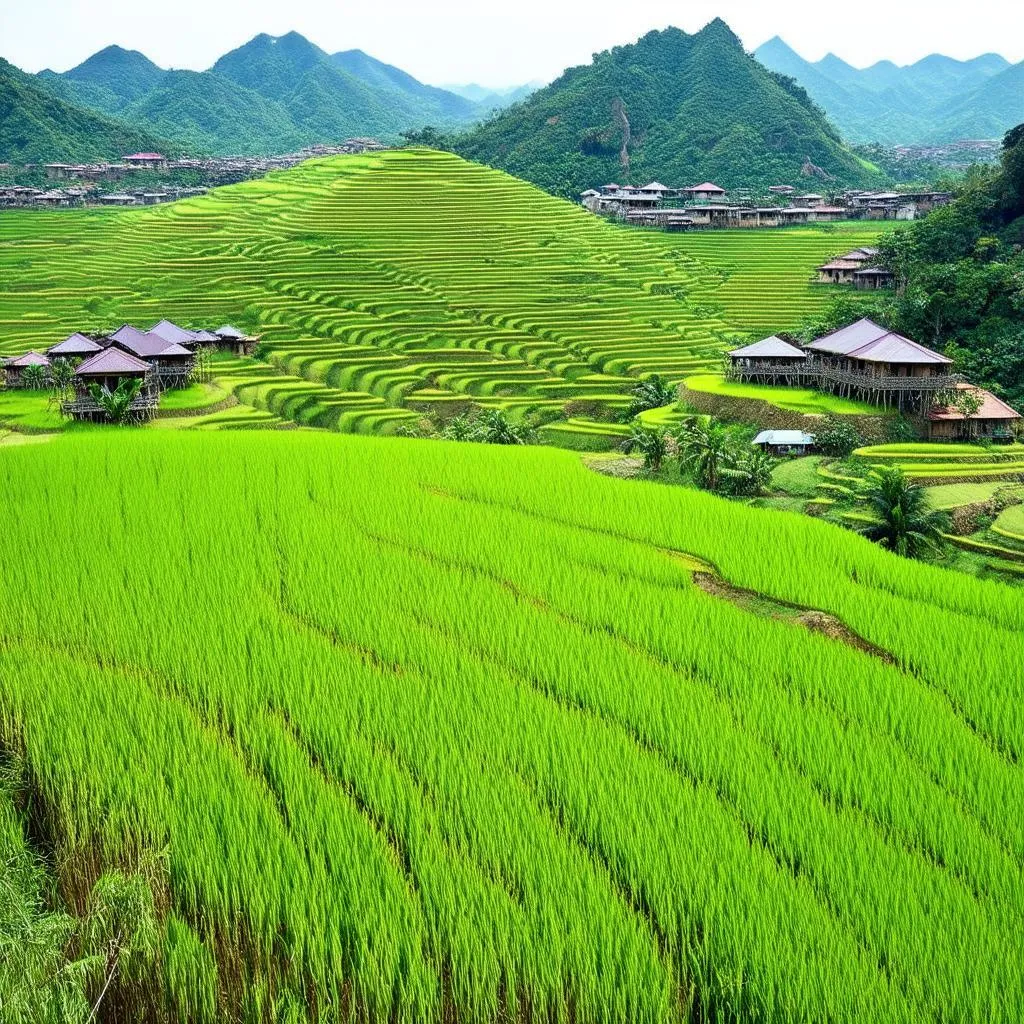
(937, 99)
(37, 126)
(417, 100)
(273, 94)
(676, 107)
(494, 99)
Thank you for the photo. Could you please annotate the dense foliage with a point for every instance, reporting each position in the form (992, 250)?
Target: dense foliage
(37, 126)
(273, 94)
(936, 100)
(673, 107)
(960, 277)
(447, 734)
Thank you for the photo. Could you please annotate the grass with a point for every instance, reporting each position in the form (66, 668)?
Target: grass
(447, 733)
(1010, 523)
(801, 400)
(797, 477)
(196, 396)
(29, 410)
(386, 280)
(950, 496)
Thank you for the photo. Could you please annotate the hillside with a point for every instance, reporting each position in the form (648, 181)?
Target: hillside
(37, 126)
(673, 107)
(449, 734)
(389, 284)
(270, 95)
(935, 100)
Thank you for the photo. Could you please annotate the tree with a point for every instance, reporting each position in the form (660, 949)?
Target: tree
(652, 393)
(903, 521)
(704, 451)
(494, 427)
(837, 437)
(33, 377)
(62, 377)
(117, 404)
(652, 445)
(749, 471)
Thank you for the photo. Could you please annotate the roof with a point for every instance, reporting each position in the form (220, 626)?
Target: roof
(171, 332)
(991, 408)
(656, 186)
(229, 333)
(772, 347)
(29, 359)
(707, 186)
(842, 264)
(784, 437)
(206, 336)
(873, 272)
(144, 156)
(75, 345)
(111, 361)
(874, 344)
(145, 344)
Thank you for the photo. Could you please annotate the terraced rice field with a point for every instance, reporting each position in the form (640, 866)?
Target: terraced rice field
(438, 732)
(395, 283)
(801, 400)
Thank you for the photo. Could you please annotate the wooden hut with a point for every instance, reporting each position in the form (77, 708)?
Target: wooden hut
(172, 362)
(107, 369)
(76, 346)
(16, 367)
(232, 338)
(994, 419)
(867, 361)
(770, 361)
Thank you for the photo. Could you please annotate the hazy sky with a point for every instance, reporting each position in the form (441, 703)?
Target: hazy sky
(442, 41)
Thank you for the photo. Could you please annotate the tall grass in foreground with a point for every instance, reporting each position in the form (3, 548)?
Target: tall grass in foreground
(433, 732)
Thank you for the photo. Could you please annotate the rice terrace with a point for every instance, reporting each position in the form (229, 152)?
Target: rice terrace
(467, 605)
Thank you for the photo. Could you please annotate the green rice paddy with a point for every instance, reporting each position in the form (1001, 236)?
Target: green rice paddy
(443, 732)
(390, 283)
(801, 400)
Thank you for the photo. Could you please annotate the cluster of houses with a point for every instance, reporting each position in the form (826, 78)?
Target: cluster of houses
(706, 206)
(866, 361)
(161, 358)
(89, 183)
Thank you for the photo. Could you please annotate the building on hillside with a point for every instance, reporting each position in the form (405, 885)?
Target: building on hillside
(811, 199)
(117, 199)
(843, 269)
(15, 368)
(707, 191)
(770, 361)
(171, 362)
(242, 344)
(146, 161)
(867, 361)
(868, 279)
(781, 190)
(77, 346)
(994, 419)
(785, 442)
(107, 369)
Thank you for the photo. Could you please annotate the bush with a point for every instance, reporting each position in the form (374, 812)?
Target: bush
(838, 438)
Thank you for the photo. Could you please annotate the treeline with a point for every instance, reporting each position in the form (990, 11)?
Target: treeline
(960, 278)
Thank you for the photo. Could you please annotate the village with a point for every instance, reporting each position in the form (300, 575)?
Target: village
(866, 361)
(140, 365)
(111, 184)
(706, 206)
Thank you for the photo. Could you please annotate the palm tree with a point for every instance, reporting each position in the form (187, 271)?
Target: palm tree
(651, 444)
(117, 404)
(903, 521)
(704, 450)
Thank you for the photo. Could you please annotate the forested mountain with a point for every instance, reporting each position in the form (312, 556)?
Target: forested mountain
(938, 99)
(272, 94)
(37, 126)
(676, 107)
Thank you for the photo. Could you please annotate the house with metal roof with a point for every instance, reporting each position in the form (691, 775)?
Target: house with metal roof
(76, 346)
(785, 442)
(106, 370)
(769, 361)
(867, 361)
(172, 361)
(15, 368)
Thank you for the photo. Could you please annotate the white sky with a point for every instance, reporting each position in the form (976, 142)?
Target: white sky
(462, 41)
